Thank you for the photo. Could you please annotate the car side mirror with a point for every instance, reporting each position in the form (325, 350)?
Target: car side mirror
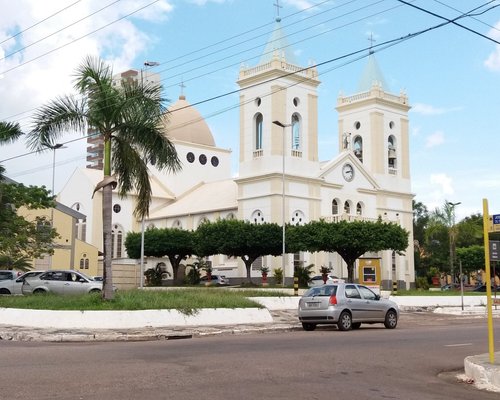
(377, 297)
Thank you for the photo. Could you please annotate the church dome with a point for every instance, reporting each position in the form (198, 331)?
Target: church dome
(186, 124)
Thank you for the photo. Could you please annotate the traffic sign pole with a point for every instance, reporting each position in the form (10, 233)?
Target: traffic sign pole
(486, 219)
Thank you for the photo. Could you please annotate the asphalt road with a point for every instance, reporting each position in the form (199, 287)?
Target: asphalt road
(410, 362)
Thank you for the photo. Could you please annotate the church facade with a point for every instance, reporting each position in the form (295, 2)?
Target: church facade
(280, 177)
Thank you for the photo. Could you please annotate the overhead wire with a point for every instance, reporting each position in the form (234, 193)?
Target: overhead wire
(58, 31)
(371, 48)
(39, 22)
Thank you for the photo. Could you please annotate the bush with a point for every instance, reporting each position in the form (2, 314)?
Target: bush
(154, 276)
(278, 276)
(303, 273)
(422, 283)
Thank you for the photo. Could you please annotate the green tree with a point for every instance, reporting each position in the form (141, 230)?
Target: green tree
(176, 244)
(472, 258)
(237, 238)
(21, 238)
(420, 221)
(349, 239)
(128, 117)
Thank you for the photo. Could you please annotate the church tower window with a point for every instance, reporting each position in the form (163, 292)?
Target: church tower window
(391, 154)
(296, 132)
(257, 217)
(358, 147)
(359, 209)
(259, 122)
(347, 207)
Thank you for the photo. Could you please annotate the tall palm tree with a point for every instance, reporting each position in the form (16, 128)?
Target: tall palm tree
(128, 116)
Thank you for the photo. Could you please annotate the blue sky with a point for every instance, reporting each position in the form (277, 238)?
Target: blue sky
(451, 75)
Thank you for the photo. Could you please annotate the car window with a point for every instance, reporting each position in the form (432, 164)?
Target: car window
(351, 292)
(322, 291)
(5, 275)
(53, 276)
(367, 293)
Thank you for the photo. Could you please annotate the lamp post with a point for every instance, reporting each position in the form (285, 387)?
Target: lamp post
(452, 238)
(146, 65)
(53, 147)
(283, 251)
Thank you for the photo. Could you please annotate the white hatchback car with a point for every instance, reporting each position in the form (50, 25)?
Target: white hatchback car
(318, 280)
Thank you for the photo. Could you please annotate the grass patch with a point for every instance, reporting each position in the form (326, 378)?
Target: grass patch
(184, 300)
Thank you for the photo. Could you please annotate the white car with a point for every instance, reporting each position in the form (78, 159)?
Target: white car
(14, 285)
(61, 282)
(318, 280)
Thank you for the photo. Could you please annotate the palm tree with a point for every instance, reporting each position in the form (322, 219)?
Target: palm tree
(128, 116)
(9, 132)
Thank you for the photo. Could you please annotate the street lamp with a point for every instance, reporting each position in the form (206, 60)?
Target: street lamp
(452, 238)
(146, 65)
(283, 126)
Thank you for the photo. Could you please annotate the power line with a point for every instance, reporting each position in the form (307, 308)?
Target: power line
(81, 37)
(59, 31)
(39, 22)
(453, 21)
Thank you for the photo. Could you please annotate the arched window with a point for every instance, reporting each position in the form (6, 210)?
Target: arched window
(117, 241)
(358, 147)
(257, 217)
(335, 207)
(202, 220)
(296, 139)
(230, 216)
(177, 224)
(347, 207)
(359, 209)
(391, 152)
(259, 122)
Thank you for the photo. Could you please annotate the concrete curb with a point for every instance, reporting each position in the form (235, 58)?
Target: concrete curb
(485, 375)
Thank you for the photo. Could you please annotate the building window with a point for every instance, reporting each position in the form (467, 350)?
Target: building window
(358, 148)
(257, 217)
(298, 218)
(117, 241)
(359, 209)
(215, 161)
(347, 207)
(391, 152)
(296, 132)
(357, 125)
(335, 207)
(190, 157)
(259, 122)
(230, 216)
(117, 208)
(177, 224)
(258, 101)
(296, 101)
(203, 159)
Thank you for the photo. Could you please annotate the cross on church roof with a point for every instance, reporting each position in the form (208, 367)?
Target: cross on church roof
(182, 86)
(277, 5)
(372, 40)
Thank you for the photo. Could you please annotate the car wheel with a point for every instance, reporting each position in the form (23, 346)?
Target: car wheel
(356, 325)
(95, 291)
(345, 321)
(308, 326)
(391, 319)
(4, 291)
(39, 291)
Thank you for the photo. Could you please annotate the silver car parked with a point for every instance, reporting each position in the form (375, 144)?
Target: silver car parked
(14, 285)
(346, 305)
(61, 282)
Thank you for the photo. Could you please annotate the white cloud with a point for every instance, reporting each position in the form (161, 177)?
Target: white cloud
(299, 4)
(427, 109)
(436, 139)
(493, 61)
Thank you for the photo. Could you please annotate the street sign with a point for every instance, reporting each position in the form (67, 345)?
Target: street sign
(496, 219)
(494, 223)
(494, 250)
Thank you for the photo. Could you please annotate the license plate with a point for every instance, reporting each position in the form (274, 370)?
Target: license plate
(312, 304)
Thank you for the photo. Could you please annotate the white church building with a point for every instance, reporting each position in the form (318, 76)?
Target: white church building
(278, 132)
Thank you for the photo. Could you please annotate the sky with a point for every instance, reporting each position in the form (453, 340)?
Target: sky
(451, 73)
